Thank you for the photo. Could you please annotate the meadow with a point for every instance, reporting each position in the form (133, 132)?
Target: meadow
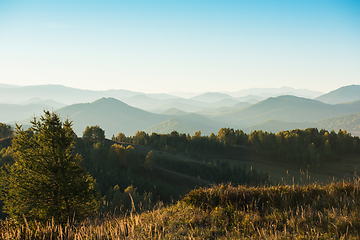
(285, 211)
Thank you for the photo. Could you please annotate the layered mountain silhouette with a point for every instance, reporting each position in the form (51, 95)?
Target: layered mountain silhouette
(58, 93)
(115, 116)
(287, 109)
(163, 113)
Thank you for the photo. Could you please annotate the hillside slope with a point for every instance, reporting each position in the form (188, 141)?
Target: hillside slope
(110, 114)
(189, 123)
(287, 109)
(350, 123)
(341, 95)
(115, 116)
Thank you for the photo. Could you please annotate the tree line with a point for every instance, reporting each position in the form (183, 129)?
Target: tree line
(308, 146)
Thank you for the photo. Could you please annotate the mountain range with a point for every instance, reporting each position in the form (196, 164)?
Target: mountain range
(164, 113)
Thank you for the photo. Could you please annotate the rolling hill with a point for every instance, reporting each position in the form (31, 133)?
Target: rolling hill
(211, 97)
(189, 123)
(341, 95)
(284, 108)
(350, 123)
(174, 112)
(115, 116)
(110, 114)
(212, 112)
(176, 124)
(276, 126)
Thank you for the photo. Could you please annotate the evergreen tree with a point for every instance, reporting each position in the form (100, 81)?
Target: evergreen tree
(46, 181)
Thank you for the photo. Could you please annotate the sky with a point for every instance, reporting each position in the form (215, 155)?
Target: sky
(187, 46)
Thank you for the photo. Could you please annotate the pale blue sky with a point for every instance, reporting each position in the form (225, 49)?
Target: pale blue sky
(191, 46)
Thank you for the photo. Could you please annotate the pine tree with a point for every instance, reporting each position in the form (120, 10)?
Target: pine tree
(46, 181)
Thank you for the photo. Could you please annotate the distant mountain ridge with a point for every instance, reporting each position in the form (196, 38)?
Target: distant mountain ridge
(341, 95)
(164, 111)
(115, 116)
(350, 123)
(58, 93)
(174, 112)
(274, 92)
(284, 108)
(212, 97)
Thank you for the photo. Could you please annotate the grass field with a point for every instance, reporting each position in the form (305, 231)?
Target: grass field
(314, 211)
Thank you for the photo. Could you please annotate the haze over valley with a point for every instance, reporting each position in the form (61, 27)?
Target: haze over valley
(271, 110)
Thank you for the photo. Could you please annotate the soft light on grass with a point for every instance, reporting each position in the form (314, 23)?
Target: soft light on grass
(314, 211)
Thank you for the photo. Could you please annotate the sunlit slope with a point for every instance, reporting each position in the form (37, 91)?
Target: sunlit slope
(287, 109)
(341, 95)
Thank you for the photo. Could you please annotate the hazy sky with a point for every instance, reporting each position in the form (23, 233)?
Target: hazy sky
(180, 45)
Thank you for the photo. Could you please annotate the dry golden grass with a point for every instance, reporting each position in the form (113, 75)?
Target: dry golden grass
(329, 211)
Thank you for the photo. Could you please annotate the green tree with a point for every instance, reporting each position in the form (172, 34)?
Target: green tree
(5, 131)
(140, 138)
(150, 161)
(121, 137)
(226, 136)
(94, 134)
(46, 181)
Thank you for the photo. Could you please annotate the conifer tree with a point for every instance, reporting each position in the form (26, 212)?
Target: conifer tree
(46, 181)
